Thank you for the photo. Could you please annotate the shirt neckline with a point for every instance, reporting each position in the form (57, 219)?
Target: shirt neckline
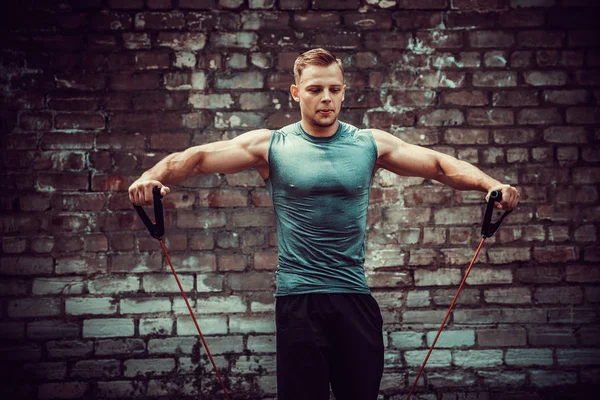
(320, 139)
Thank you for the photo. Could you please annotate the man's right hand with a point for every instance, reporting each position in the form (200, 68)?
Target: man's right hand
(140, 191)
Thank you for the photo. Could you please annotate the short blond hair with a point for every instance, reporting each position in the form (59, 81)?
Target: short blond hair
(318, 57)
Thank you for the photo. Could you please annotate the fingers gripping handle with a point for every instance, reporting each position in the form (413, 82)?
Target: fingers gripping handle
(157, 230)
(489, 228)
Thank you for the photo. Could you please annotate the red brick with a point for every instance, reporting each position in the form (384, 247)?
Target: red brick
(253, 218)
(126, 4)
(566, 134)
(410, 20)
(521, 59)
(160, 20)
(514, 136)
(152, 60)
(50, 181)
(169, 141)
(507, 255)
(552, 336)
(201, 220)
(231, 262)
(411, 98)
(545, 78)
(66, 244)
(583, 115)
(72, 103)
(384, 120)
(502, 337)
(480, 5)
(426, 195)
(494, 39)
(537, 39)
(423, 4)
(586, 175)
(336, 4)
(261, 198)
(516, 98)
(367, 21)
(409, 216)
(81, 202)
(492, 117)
(558, 295)
(204, 241)
(555, 254)
(495, 79)
(389, 279)
(35, 122)
(311, 20)
(179, 200)
(448, 79)
(67, 223)
(197, 4)
(110, 21)
(138, 81)
(521, 18)
(467, 98)
(138, 263)
(79, 121)
(26, 265)
(444, 297)
(343, 40)
(293, 4)
(223, 198)
(270, 20)
(582, 273)
(95, 243)
(386, 40)
(159, 4)
(106, 182)
(419, 136)
(539, 116)
(441, 117)
(441, 39)
(254, 281)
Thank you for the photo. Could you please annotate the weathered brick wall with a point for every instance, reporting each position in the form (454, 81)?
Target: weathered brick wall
(96, 91)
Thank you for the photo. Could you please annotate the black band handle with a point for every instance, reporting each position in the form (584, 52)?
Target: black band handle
(157, 230)
(489, 228)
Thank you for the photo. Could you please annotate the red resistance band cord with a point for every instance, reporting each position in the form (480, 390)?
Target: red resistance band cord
(212, 361)
(445, 318)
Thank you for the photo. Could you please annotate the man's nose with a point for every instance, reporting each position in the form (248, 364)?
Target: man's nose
(326, 96)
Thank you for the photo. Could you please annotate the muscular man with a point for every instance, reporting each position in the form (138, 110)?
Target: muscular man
(319, 171)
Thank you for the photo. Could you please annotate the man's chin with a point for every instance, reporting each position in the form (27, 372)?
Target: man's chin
(324, 123)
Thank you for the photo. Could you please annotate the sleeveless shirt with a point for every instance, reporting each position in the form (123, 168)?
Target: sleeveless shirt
(320, 193)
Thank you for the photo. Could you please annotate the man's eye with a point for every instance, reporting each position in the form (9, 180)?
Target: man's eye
(335, 90)
(313, 90)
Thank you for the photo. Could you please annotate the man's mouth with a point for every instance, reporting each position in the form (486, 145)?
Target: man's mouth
(325, 111)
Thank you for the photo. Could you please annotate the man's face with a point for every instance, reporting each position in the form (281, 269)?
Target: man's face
(320, 93)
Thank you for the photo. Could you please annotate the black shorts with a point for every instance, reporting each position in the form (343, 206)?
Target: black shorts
(328, 339)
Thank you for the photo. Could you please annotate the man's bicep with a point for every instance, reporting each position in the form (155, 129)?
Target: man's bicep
(405, 159)
(229, 156)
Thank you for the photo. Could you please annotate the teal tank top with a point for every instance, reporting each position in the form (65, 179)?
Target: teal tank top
(320, 193)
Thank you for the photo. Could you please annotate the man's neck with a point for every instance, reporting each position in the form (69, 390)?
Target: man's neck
(320, 131)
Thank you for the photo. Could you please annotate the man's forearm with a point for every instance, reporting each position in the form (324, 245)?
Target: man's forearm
(172, 169)
(461, 175)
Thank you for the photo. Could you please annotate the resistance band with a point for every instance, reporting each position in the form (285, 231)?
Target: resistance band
(487, 230)
(157, 230)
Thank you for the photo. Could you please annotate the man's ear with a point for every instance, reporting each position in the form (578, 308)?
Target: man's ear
(294, 92)
(343, 92)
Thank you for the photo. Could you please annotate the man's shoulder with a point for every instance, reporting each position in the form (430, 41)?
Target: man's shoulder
(291, 129)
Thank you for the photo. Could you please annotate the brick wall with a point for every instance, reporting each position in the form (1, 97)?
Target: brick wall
(94, 92)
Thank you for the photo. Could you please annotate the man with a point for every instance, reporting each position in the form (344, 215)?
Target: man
(318, 171)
